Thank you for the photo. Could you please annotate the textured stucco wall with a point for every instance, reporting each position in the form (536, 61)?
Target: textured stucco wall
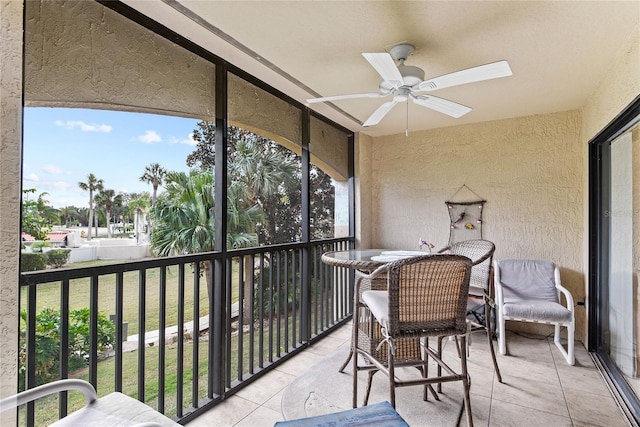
(82, 54)
(363, 195)
(257, 110)
(619, 87)
(530, 171)
(10, 152)
(329, 149)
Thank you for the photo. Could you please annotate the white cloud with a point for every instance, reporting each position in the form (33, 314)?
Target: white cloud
(54, 170)
(58, 185)
(85, 127)
(33, 180)
(188, 141)
(149, 137)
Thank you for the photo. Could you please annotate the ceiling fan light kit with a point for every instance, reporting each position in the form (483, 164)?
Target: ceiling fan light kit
(406, 82)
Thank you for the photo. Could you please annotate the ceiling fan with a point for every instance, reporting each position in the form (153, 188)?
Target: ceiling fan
(405, 82)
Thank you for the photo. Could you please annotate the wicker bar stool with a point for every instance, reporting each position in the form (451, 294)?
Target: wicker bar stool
(480, 252)
(426, 297)
(369, 338)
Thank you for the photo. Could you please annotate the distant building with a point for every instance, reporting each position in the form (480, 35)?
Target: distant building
(56, 239)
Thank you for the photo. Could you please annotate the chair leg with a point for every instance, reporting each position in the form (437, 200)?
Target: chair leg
(368, 391)
(354, 356)
(570, 343)
(346, 362)
(355, 318)
(502, 344)
(439, 368)
(466, 382)
(568, 353)
(392, 376)
(487, 324)
(425, 372)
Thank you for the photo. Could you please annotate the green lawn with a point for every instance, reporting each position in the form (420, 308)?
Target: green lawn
(47, 408)
(48, 295)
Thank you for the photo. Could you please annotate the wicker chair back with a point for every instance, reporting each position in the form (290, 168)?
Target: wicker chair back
(428, 295)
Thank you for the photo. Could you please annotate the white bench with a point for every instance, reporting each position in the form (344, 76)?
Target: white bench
(114, 409)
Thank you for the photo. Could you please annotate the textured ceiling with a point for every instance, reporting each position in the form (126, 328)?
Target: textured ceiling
(557, 50)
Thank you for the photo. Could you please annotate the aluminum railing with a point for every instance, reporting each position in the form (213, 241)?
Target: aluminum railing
(183, 340)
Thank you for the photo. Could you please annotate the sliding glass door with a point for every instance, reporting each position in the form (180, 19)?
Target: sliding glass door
(615, 255)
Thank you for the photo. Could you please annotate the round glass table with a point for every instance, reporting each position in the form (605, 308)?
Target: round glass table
(366, 259)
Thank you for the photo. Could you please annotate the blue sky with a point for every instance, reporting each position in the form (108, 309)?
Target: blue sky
(63, 145)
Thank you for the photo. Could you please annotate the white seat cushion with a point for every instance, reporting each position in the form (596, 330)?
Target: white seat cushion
(378, 303)
(537, 310)
(115, 409)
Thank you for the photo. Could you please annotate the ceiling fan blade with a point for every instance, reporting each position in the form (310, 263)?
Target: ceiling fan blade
(470, 75)
(384, 65)
(441, 105)
(379, 114)
(350, 96)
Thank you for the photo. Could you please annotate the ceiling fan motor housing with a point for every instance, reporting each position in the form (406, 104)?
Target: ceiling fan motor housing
(411, 76)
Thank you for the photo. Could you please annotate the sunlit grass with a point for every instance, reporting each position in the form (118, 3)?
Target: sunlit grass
(48, 295)
(47, 408)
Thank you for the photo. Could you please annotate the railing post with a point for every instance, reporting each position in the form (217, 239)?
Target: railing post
(93, 332)
(218, 341)
(162, 307)
(142, 326)
(30, 378)
(64, 344)
(305, 273)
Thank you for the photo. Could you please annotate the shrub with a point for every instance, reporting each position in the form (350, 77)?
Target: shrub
(275, 298)
(37, 246)
(32, 261)
(48, 342)
(58, 257)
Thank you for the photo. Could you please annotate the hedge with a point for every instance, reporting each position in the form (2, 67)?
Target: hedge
(32, 261)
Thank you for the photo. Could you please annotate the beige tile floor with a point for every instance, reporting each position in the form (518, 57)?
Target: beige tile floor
(538, 389)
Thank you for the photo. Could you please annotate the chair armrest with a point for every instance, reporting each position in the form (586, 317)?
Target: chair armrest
(567, 295)
(27, 396)
(497, 284)
(446, 249)
(482, 259)
(383, 269)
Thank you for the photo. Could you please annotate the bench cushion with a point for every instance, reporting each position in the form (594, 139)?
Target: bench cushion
(115, 409)
(377, 415)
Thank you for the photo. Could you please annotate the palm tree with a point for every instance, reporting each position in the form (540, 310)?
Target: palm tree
(138, 205)
(91, 185)
(105, 199)
(46, 211)
(263, 170)
(270, 171)
(184, 217)
(68, 214)
(270, 176)
(154, 174)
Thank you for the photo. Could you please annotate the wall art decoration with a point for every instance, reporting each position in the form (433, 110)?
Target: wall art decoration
(466, 217)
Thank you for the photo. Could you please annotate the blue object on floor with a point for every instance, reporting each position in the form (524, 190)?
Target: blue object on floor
(377, 415)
